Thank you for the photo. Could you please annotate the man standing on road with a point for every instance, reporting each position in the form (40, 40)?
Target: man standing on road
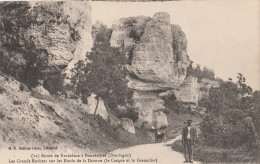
(189, 137)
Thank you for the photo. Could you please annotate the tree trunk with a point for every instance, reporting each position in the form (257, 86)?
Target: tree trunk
(96, 106)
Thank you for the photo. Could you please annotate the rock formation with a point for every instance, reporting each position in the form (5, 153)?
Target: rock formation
(128, 125)
(188, 91)
(55, 34)
(205, 85)
(158, 60)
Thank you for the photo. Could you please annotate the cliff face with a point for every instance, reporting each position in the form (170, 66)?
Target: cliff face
(56, 33)
(157, 50)
(158, 60)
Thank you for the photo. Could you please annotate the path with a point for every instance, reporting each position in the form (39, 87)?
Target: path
(163, 153)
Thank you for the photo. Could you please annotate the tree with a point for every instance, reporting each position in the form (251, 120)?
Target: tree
(245, 89)
(103, 75)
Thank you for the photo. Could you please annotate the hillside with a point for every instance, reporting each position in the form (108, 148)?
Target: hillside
(32, 118)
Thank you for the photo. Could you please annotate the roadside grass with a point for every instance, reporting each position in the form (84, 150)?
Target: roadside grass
(206, 154)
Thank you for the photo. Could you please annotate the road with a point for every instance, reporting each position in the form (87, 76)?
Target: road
(150, 152)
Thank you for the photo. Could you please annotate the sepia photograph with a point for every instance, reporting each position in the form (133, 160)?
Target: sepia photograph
(130, 81)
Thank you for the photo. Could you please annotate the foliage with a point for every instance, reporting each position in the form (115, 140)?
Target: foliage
(179, 107)
(131, 113)
(23, 64)
(228, 96)
(101, 33)
(226, 132)
(172, 104)
(228, 106)
(245, 89)
(55, 84)
(103, 75)
(200, 73)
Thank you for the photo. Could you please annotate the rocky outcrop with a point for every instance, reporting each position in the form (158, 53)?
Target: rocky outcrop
(205, 85)
(41, 91)
(128, 125)
(158, 60)
(188, 91)
(54, 35)
(148, 103)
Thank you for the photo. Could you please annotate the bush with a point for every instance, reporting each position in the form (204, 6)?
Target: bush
(207, 154)
(172, 104)
(131, 113)
(222, 132)
(55, 84)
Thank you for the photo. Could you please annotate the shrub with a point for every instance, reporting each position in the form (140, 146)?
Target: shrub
(131, 113)
(223, 133)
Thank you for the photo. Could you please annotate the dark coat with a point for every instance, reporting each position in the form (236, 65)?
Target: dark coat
(193, 134)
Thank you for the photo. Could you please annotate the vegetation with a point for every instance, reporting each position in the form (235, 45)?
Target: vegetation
(232, 117)
(179, 107)
(103, 74)
(229, 128)
(200, 73)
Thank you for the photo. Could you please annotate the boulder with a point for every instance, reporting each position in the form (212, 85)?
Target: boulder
(41, 90)
(128, 125)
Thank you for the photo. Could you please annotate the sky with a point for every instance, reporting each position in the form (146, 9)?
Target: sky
(222, 34)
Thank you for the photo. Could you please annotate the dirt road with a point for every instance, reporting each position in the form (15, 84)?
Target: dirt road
(153, 153)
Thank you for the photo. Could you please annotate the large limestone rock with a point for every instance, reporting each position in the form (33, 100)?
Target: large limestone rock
(158, 60)
(161, 56)
(41, 90)
(58, 34)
